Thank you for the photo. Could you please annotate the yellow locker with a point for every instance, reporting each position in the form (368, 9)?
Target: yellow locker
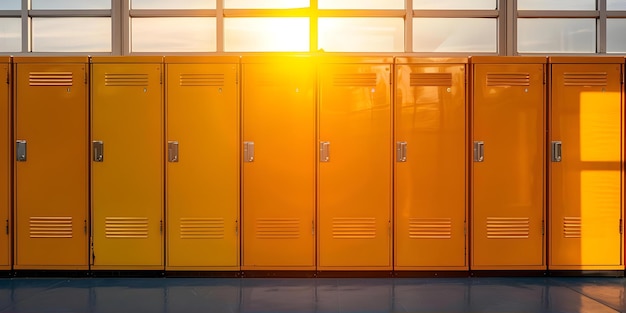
(431, 164)
(278, 104)
(586, 130)
(202, 186)
(127, 163)
(355, 133)
(51, 165)
(5, 166)
(508, 201)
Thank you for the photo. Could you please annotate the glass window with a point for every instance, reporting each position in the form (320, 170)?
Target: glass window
(71, 34)
(265, 4)
(615, 35)
(10, 5)
(354, 34)
(454, 5)
(556, 35)
(455, 35)
(10, 34)
(70, 4)
(565, 5)
(169, 4)
(173, 34)
(289, 34)
(616, 4)
(361, 4)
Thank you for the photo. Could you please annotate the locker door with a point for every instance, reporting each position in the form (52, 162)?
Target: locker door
(430, 188)
(279, 165)
(5, 169)
(355, 166)
(585, 189)
(51, 179)
(203, 166)
(508, 167)
(127, 165)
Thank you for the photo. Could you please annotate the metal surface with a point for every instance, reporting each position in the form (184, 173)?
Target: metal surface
(401, 151)
(324, 151)
(20, 150)
(172, 151)
(479, 151)
(557, 150)
(98, 151)
(248, 151)
(6, 166)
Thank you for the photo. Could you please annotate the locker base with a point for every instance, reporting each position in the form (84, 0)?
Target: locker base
(203, 274)
(278, 274)
(430, 274)
(50, 273)
(6, 273)
(509, 273)
(128, 273)
(354, 274)
(586, 273)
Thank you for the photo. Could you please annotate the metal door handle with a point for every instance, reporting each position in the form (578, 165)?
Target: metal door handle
(324, 151)
(98, 151)
(172, 151)
(557, 150)
(479, 151)
(248, 151)
(401, 151)
(20, 150)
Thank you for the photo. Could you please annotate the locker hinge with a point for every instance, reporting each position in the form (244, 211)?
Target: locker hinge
(7, 227)
(85, 77)
(312, 228)
(236, 228)
(236, 76)
(465, 228)
(543, 228)
(85, 227)
(8, 77)
(93, 253)
(621, 226)
(389, 228)
(161, 227)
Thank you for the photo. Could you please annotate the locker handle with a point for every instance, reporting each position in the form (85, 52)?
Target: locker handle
(401, 151)
(324, 151)
(20, 150)
(172, 151)
(248, 151)
(557, 150)
(479, 151)
(98, 151)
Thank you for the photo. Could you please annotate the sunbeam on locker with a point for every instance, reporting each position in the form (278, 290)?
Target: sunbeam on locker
(6, 146)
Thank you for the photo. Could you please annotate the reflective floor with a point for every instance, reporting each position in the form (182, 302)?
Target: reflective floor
(275, 295)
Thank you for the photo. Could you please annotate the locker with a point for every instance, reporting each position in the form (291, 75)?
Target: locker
(278, 104)
(585, 211)
(51, 163)
(5, 165)
(431, 164)
(355, 164)
(202, 186)
(127, 163)
(508, 167)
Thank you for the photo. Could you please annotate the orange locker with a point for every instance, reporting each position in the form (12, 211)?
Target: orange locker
(51, 165)
(355, 164)
(278, 104)
(431, 164)
(5, 166)
(202, 186)
(127, 181)
(585, 212)
(508, 180)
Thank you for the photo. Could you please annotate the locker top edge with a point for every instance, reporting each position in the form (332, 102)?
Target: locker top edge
(508, 60)
(31, 59)
(126, 59)
(5, 59)
(417, 60)
(276, 58)
(201, 59)
(328, 59)
(586, 60)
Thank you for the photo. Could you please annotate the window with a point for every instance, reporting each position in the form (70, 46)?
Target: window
(455, 35)
(173, 34)
(72, 34)
(266, 34)
(546, 35)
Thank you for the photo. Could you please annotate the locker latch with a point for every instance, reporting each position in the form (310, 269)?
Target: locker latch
(98, 151)
(479, 151)
(20, 150)
(172, 151)
(401, 151)
(324, 151)
(248, 151)
(557, 150)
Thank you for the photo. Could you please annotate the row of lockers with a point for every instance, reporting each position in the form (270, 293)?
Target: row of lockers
(297, 163)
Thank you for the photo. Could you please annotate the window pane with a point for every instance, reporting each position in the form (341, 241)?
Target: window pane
(361, 34)
(10, 5)
(10, 34)
(265, 4)
(454, 4)
(70, 4)
(615, 35)
(616, 4)
(170, 4)
(556, 35)
(361, 4)
(173, 34)
(266, 34)
(455, 35)
(565, 5)
(72, 34)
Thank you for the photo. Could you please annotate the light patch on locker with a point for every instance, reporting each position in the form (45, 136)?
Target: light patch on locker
(354, 228)
(600, 127)
(126, 227)
(508, 227)
(50, 227)
(50, 79)
(430, 228)
(201, 228)
(195, 79)
(278, 228)
(114, 79)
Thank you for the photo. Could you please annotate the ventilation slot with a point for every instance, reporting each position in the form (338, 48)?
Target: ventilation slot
(354, 228)
(50, 79)
(355, 80)
(126, 227)
(431, 79)
(572, 227)
(201, 80)
(278, 228)
(585, 79)
(508, 227)
(50, 227)
(201, 228)
(430, 228)
(125, 79)
(508, 79)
